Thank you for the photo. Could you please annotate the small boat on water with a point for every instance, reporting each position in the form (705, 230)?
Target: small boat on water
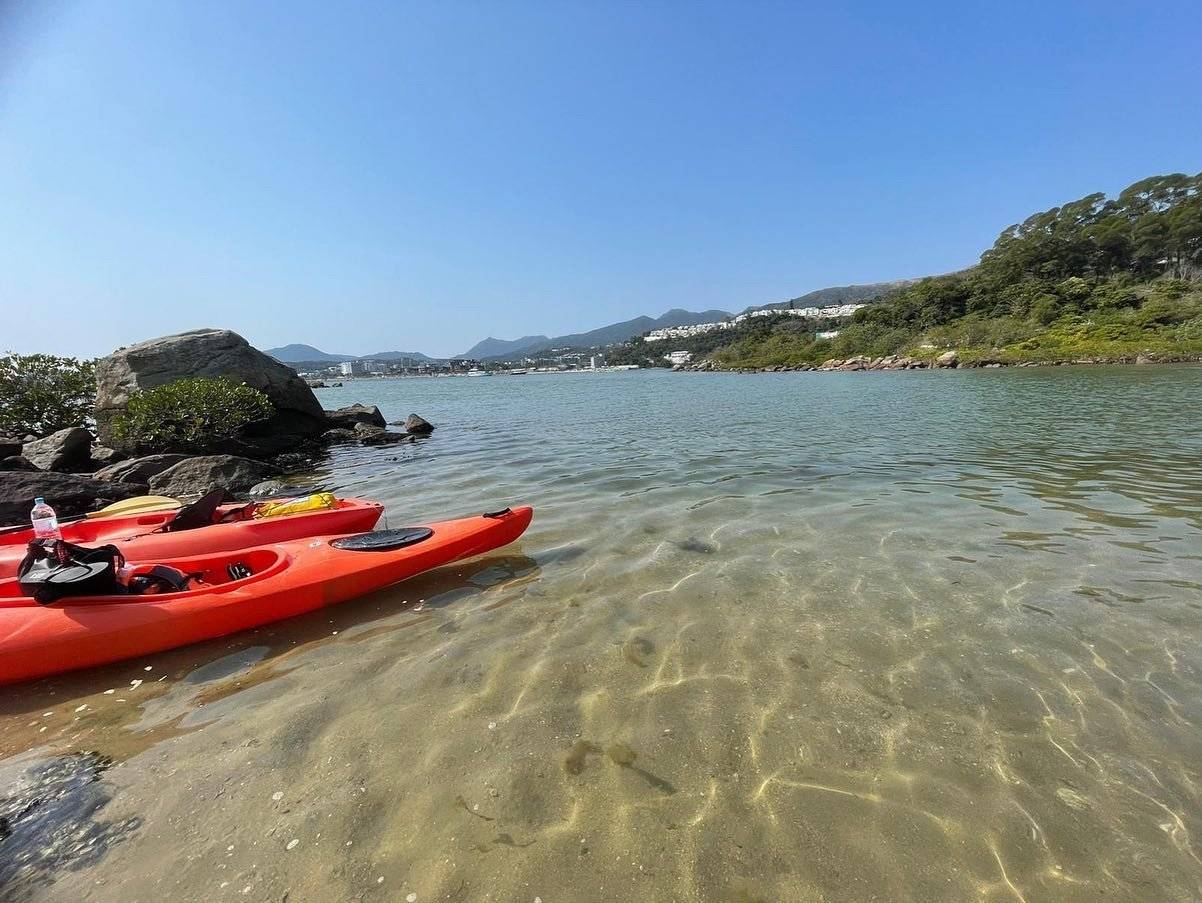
(232, 591)
(477, 372)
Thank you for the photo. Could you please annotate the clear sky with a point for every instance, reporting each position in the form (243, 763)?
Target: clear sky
(367, 177)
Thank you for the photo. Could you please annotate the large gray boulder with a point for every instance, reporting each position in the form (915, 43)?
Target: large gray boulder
(68, 450)
(212, 353)
(346, 418)
(195, 476)
(68, 494)
(138, 470)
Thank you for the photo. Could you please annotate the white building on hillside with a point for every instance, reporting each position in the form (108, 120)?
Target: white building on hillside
(812, 313)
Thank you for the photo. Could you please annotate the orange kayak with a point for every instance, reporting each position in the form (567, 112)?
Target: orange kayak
(286, 579)
(140, 537)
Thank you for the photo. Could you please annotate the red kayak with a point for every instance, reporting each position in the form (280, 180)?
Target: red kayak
(143, 537)
(286, 579)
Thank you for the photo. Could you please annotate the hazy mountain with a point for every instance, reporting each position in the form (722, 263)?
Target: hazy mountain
(503, 349)
(491, 347)
(839, 294)
(295, 354)
(396, 356)
(307, 354)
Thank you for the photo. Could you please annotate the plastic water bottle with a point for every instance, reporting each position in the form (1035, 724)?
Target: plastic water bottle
(45, 521)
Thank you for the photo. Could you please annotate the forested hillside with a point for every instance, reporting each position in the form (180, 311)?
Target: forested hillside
(1095, 278)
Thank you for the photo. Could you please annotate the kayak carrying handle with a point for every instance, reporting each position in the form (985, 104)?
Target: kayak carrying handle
(496, 515)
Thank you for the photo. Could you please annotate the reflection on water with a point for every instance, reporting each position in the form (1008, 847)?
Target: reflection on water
(926, 636)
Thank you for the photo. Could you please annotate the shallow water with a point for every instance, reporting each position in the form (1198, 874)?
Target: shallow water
(925, 636)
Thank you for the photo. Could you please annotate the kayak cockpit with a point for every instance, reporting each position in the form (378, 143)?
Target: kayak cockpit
(217, 573)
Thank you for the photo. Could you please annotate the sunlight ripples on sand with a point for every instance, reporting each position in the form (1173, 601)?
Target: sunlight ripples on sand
(784, 637)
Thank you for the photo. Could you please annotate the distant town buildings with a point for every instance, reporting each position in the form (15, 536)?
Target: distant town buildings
(362, 368)
(814, 313)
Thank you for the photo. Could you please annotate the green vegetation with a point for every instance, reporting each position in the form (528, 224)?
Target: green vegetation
(1095, 278)
(192, 415)
(41, 393)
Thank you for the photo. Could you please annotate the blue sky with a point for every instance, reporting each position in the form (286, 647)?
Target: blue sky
(366, 177)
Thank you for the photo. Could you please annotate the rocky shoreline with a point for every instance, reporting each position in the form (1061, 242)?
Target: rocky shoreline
(78, 469)
(948, 360)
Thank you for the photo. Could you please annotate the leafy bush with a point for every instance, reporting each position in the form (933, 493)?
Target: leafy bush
(192, 415)
(42, 393)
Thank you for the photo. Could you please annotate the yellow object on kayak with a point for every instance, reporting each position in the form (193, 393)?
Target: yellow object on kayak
(143, 504)
(316, 502)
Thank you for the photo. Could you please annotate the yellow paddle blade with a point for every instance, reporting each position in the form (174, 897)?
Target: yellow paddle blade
(143, 504)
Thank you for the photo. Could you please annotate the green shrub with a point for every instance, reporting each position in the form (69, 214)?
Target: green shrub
(1046, 309)
(41, 393)
(192, 415)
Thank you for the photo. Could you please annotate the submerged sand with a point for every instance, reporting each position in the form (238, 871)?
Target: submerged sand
(954, 660)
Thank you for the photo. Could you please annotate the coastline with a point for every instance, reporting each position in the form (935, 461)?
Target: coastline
(902, 362)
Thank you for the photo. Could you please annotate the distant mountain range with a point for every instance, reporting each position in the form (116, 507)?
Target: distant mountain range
(492, 348)
(502, 349)
(307, 354)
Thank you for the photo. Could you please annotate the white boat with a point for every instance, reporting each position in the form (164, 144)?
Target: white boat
(477, 373)
(519, 372)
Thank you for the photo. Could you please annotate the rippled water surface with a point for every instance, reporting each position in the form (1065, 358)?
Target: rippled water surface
(785, 637)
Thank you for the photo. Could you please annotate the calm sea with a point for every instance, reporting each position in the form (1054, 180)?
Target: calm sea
(781, 637)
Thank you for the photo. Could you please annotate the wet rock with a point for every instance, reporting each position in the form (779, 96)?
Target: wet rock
(418, 425)
(213, 353)
(52, 821)
(335, 436)
(138, 470)
(67, 451)
(267, 489)
(195, 476)
(371, 435)
(16, 462)
(349, 417)
(947, 359)
(68, 494)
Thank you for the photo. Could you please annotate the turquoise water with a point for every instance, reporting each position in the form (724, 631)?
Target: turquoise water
(928, 636)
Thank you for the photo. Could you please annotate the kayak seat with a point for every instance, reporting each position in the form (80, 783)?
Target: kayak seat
(201, 513)
(383, 540)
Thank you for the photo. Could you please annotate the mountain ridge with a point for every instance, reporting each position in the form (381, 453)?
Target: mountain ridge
(299, 353)
(603, 335)
(492, 348)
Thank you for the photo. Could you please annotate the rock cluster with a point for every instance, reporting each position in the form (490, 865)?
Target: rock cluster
(76, 475)
(69, 493)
